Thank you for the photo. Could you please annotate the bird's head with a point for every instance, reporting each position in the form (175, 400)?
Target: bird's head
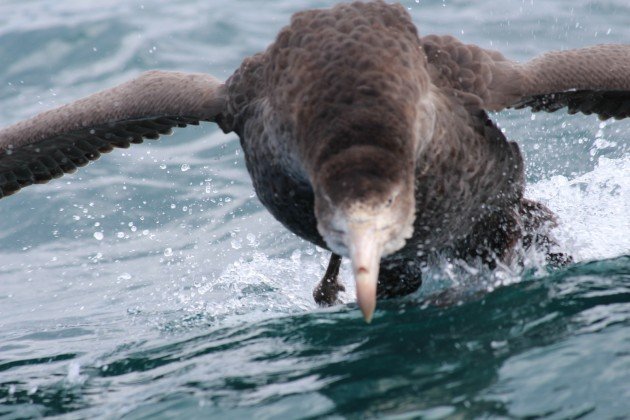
(365, 208)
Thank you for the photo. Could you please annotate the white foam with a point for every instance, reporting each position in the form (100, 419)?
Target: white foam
(263, 285)
(593, 209)
(74, 376)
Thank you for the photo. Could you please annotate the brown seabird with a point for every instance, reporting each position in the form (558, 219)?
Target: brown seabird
(359, 135)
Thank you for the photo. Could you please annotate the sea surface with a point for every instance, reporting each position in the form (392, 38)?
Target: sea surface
(153, 284)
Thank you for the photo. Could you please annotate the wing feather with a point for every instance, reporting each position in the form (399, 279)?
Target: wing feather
(61, 140)
(592, 80)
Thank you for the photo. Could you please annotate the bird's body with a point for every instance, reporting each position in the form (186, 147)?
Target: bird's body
(359, 136)
(315, 100)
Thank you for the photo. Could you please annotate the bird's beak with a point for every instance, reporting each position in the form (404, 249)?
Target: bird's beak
(365, 246)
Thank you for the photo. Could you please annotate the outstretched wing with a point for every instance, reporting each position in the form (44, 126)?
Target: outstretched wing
(593, 80)
(60, 140)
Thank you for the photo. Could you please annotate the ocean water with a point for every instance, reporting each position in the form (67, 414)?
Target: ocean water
(153, 284)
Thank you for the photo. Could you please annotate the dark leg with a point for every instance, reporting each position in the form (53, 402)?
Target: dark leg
(328, 288)
(398, 279)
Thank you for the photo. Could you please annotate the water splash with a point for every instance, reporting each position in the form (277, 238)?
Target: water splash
(74, 376)
(258, 286)
(592, 209)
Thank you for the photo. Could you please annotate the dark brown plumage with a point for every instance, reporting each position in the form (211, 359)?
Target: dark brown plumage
(359, 136)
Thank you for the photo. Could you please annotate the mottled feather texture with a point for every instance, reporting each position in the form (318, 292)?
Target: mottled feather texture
(330, 81)
(602, 67)
(589, 80)
(482, 78)
(347, 104)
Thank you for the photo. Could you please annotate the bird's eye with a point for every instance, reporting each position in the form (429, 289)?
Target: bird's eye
(390, 201)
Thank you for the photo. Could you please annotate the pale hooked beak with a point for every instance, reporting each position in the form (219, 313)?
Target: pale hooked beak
(365, 246)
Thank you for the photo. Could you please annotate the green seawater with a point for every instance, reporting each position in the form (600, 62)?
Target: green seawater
(153, 284)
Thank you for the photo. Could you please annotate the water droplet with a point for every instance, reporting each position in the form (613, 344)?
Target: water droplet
(124, 276)
(237, 243)
(251, 240)
(98, 236)
(498, 344)
(168, 252)
(185, 167)
(74, 373)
